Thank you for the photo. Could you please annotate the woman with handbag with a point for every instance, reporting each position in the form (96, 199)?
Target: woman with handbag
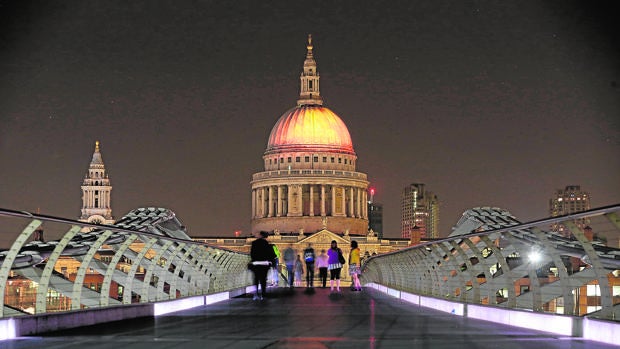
(335, 261)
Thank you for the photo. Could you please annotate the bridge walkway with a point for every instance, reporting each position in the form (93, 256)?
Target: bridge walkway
(301, 319)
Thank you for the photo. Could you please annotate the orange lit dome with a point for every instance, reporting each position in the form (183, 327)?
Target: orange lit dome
(310, 128)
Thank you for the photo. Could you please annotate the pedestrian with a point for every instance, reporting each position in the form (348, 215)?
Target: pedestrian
(334, 266)
(261, 254)
(354, 266)
(322, 264)
(309, 259)
(289, 261)
(299, 271)
(275, 278)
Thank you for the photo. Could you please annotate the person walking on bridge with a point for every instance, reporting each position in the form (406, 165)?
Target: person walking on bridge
(335, 265)
(322, 262)
(354, 266)
(262, 255)
(289, 260)
(309, 258)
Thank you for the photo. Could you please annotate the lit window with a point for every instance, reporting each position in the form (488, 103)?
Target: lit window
(593, 290)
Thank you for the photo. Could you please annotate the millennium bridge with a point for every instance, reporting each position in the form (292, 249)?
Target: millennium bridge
(142, 282)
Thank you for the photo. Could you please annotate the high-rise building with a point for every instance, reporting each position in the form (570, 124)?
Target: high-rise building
(570, 200)
(419, 212)
(96, 190)
(375, 218)
(310, 182)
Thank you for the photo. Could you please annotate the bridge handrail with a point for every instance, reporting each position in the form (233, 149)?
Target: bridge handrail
(493, 266)
(105, 265)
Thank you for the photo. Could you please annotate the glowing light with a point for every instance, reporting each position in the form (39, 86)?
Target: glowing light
(310, 126)
(535, 257)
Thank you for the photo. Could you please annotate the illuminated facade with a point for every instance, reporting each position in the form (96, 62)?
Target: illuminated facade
(310, 182)
(419, 212)
(96, 192)
(570, 200)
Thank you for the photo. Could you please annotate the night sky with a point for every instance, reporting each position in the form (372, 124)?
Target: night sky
(488, 103)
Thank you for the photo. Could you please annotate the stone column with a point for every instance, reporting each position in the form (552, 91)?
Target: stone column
(365, 205)
(322, 200)
(333, 203)
(253, 203)
(311, 200)
(279, 208)
(289, 201)
(262, 203)
(351, 201)
(270, 214)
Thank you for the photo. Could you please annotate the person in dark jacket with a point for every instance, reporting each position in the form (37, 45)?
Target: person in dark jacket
(262, 256)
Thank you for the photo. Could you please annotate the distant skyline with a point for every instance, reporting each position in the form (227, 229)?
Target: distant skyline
(486, 103)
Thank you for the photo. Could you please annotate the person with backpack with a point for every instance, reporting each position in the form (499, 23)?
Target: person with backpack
(309, 259)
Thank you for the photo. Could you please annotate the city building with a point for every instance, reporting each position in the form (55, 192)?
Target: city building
(419, 213)
(310, 182)
(375, 215)
(569, 200)
(96, 190)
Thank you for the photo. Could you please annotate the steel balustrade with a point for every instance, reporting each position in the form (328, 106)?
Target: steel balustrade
(490, 259)
(94, 265)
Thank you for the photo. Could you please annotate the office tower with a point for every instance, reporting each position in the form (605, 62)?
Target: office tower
(419, 212)
(567, 201)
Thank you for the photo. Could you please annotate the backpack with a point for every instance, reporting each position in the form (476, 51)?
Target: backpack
(309, 255)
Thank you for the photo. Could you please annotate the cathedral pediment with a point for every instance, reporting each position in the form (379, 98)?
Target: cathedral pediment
(325, 237)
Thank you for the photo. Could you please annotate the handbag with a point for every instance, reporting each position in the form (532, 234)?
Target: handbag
(341, 257)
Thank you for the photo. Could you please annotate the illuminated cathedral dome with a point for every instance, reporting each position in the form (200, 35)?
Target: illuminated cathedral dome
(307, 128)
(310, 182)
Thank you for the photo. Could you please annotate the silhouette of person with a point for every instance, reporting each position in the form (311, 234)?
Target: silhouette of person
(309, 258)
(299, 271)
(262, 255)
(334, 265)
(289, 260)
(322, 262)
(354, 266)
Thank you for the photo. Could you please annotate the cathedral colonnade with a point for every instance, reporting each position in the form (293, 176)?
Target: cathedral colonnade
(336, 201)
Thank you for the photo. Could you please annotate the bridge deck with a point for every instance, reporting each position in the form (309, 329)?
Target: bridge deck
(367, 319)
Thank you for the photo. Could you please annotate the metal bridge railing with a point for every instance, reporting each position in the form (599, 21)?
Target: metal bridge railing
(557, 265)
(93, 265)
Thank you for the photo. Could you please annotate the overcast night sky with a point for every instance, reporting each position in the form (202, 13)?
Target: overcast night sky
(488, 103)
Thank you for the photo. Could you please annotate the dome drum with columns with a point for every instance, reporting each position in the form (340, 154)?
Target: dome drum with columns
(310, 182)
